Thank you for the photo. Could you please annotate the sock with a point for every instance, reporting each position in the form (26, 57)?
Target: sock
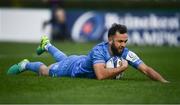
(33, 66)
(56, 53)
(47, 46)
(23, 65)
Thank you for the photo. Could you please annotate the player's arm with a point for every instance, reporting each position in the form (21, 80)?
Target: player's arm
(151, 73)
(105, 73)
(136, 62)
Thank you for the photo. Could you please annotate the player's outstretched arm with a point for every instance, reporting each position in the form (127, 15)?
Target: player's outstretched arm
(151, 73)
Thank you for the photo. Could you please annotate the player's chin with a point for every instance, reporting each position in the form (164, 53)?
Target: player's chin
(120, 50)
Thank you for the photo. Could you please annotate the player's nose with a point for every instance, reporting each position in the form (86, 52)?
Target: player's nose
(123, 44)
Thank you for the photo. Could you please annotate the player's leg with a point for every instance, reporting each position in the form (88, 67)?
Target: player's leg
(45, 45)
(43, 70)
(25, 65)
(62, 68)
(56, 53)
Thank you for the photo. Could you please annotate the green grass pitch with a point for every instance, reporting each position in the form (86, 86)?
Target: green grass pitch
(134, 88)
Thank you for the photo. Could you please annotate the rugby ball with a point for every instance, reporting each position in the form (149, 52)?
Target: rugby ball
(113, 63)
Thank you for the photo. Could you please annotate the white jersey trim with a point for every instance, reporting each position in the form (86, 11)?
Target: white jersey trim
(132, 57)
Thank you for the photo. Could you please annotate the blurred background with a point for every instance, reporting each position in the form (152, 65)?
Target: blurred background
(149, 22)
(75, 26)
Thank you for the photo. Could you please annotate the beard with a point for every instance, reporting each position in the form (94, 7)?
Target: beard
(115, 50)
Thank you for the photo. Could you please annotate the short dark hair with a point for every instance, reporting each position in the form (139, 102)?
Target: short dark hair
(117, 28)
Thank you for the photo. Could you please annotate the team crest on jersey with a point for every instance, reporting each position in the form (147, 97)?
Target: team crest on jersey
(131, 56)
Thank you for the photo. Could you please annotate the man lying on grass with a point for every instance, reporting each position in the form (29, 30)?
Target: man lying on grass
(92, 65)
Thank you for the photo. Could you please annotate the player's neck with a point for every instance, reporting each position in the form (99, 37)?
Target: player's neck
(110, 51)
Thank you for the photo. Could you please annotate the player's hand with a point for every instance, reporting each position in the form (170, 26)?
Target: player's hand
(165, 81)
(124, 64)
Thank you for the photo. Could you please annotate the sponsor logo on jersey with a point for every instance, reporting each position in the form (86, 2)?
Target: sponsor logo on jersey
(132, 56)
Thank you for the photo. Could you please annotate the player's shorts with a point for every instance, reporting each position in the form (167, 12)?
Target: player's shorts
(63, 68)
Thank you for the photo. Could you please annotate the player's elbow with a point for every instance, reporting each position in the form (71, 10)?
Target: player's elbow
(100, 77)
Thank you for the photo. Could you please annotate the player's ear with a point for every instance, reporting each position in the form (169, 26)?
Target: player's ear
(110, 39)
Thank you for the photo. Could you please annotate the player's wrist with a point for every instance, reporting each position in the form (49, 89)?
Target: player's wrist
(122, 68)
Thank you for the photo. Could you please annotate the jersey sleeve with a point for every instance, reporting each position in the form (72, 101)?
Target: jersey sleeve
(133, 59)
(97, 56)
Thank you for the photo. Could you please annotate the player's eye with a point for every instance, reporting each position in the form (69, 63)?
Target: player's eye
(120, 41)
(125, 41)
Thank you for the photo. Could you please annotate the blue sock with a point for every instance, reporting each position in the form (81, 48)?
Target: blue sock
(34, 66)
(56, 53)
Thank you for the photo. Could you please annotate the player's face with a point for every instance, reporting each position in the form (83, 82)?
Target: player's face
(118, 43)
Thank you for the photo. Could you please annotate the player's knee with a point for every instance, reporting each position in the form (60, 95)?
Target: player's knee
(43, 70)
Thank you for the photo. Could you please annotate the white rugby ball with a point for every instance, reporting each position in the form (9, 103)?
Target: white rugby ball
(115, 62)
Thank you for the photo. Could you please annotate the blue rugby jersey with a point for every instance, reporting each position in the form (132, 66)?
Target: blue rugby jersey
(83, 65)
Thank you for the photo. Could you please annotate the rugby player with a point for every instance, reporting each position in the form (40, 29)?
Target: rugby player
(91, 65)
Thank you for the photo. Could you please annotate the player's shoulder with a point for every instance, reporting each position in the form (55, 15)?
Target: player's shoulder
(129, 55)
(100, 46)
